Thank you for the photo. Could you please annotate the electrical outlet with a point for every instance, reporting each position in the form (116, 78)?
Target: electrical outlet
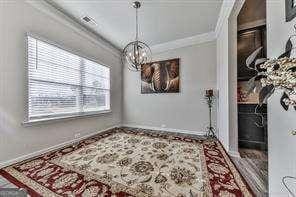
(163, 125)
(77, 135)
(76, 141)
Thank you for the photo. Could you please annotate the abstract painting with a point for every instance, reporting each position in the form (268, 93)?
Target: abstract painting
(161, 77)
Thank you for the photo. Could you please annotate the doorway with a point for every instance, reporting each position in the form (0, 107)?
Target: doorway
(252, 118)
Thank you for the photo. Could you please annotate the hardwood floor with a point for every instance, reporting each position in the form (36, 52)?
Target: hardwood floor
(253, 154)
(253, 166)
(5, 183)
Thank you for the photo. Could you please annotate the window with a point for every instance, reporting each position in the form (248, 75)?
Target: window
(62, 84)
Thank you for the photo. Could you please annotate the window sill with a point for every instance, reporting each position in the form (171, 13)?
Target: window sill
(62, 118)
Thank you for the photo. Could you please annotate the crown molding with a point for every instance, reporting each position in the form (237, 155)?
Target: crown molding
(224, 14)
(68, 21)
(184, 42)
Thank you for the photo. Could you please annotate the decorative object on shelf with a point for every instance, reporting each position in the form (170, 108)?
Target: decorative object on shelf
(243, 96)
(274, 74)
(290, 10)
(160, 77)
(136, 52)
(209, 96)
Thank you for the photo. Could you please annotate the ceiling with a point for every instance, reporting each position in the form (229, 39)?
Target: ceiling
(160, 21)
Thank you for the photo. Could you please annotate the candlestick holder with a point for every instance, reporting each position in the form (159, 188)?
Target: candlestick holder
(210, 130)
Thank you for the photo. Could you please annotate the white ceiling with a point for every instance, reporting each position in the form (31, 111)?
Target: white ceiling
(160, 21)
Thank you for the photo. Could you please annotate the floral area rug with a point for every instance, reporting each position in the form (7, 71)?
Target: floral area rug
(132, 162)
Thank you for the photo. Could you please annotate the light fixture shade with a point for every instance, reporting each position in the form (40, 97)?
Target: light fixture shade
(135, 54)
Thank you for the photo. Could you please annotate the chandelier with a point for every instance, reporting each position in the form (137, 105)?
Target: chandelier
(136, 53)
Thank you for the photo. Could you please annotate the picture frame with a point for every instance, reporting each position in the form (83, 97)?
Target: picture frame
(290, 10)
(161, 77)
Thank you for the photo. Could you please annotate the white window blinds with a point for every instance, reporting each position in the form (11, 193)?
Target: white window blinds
(64, 84)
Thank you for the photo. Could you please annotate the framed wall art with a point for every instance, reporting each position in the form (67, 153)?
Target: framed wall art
(161, 77)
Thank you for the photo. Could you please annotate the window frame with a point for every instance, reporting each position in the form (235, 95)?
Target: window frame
(59, 117)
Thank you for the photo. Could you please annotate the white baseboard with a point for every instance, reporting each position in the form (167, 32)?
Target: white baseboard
(166, 129)
(34, 154)
(234, 154)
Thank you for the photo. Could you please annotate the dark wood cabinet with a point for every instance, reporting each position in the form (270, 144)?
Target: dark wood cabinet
(251, 133)
(247, 42)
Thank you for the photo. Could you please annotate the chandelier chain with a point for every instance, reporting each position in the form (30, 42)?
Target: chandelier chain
(137, 25)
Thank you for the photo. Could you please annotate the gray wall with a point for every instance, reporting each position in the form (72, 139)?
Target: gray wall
(281, 144)
(17, 18)
(186, 110)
